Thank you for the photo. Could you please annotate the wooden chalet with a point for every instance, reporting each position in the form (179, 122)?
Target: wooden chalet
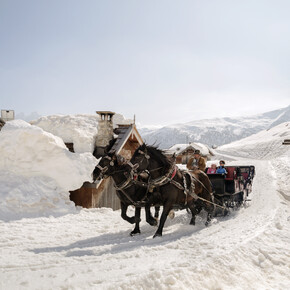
(183, 152)
(286, 142)
(103, 194)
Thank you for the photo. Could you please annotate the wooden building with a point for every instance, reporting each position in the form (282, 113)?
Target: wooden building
(103, 194)
(183, 152)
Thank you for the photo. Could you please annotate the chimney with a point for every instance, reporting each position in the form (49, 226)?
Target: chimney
(7, 115)
(105, 132)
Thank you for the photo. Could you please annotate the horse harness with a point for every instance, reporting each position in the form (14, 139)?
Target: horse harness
(157, 182)
(187, 189)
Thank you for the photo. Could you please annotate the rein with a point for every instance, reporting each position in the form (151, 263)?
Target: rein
(129, 182)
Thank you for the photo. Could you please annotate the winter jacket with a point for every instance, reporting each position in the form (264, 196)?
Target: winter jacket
(199, 163)
(211, 171)
(221, 170)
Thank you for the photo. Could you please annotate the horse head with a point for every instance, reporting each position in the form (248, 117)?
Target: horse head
(151, 159)
(140, 159)
(109, 165)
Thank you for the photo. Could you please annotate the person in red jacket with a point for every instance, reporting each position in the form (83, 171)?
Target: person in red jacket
(211, 169)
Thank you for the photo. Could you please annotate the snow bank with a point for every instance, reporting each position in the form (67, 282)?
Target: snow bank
(37, 171)
(78, 129)
(282, 165)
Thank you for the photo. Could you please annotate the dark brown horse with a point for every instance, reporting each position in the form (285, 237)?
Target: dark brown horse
(173, 187)
(128, 190)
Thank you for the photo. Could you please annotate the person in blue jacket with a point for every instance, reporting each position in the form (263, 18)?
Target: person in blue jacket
(221, 169)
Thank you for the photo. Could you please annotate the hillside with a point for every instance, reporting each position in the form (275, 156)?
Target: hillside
(217, 131)
(266, 144)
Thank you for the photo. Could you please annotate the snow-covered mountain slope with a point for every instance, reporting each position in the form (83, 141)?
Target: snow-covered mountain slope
(214, 131)
(249, 249)
(266, 144)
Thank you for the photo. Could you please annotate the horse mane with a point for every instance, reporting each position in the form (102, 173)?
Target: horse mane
(157, 154)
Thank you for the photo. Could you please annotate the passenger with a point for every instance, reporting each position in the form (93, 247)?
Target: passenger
(221, 169)
(211, 169)
(196, 162)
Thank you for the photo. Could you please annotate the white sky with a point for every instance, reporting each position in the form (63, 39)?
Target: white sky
(165, 61)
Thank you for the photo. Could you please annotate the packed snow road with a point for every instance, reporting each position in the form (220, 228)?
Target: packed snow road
(93, 250)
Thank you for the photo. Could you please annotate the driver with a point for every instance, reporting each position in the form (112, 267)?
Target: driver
(196, 162)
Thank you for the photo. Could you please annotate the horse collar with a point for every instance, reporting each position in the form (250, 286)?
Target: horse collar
(174, 173)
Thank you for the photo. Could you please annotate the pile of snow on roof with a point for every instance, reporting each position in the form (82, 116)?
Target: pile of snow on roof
(81, 130)
(179, 148)
(37, 172)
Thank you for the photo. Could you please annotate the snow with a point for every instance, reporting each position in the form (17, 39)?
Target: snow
(81, 130)
(178, 148)
(266, 144)
(217, 131)
(92, 249)
(37, 172)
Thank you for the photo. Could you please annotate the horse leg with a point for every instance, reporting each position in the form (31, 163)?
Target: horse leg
(149, 218)
(137, 217)
(157, 210)
(208, 220)
(194, 211)
(124, 216)
(210, 210)
(166, 209)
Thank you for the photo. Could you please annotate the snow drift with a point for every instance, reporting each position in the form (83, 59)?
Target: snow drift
(81, 130)
(37, 171)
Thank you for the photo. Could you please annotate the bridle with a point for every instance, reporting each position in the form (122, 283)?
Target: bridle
(145, 157)
(161, 180)
(104, 169)
(130, 177)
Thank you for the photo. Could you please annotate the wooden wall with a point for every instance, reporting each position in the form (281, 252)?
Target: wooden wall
(90, 195)
(106, 195)
(83, 196)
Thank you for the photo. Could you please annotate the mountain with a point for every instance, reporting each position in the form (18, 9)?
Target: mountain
(266, 144)
(218, 131)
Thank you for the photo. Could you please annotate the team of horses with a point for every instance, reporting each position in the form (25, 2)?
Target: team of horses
(151, 178)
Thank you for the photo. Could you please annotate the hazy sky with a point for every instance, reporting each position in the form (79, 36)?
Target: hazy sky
(165, 61)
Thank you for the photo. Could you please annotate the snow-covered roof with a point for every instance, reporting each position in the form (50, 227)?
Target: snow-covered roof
(180, 148)
(123, 134)
(81, 129)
